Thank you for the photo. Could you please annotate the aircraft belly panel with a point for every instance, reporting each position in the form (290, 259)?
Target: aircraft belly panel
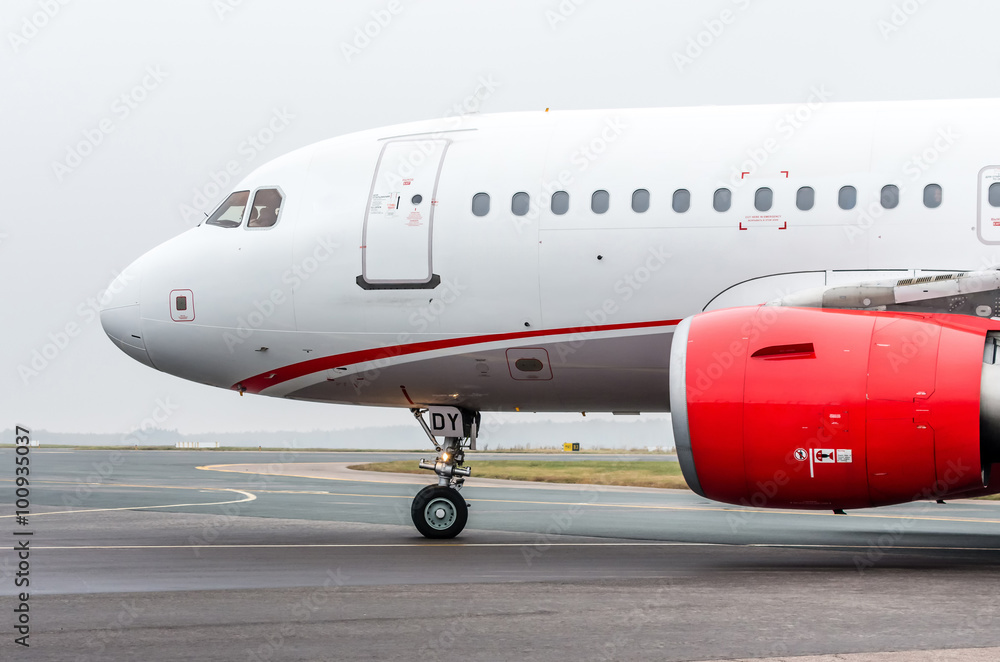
(627, 374)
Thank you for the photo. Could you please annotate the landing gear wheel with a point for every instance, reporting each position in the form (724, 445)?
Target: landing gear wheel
(439, 512)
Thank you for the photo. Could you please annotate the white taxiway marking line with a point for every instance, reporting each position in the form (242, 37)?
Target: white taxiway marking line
(723, 509)
(801, 513)
(247, 495)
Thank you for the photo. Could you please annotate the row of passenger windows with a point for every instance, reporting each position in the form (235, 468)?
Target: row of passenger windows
(722, 200)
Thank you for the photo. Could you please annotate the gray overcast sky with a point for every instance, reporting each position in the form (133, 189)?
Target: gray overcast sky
(216, 72)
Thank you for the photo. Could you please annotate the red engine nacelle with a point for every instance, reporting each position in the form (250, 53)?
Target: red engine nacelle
(809, 408)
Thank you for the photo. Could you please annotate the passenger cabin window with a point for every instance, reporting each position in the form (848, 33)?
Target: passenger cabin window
(230, 213)
(682, 200)
(265, 209)
(848, 197)
(481, 204)
(805, 198)
(932, 196)
(640, 201)
(520, 204)
(560, 203)
(600, 202)
(722, 200)
(763, 199)
(890, 196)
(995, 194)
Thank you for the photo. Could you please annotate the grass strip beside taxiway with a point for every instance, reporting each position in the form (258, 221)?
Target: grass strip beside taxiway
(580, 472)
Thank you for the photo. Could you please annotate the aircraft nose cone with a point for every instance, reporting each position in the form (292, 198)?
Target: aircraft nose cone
(120, 314)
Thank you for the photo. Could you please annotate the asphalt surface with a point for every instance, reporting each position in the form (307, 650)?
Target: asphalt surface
(144, 555)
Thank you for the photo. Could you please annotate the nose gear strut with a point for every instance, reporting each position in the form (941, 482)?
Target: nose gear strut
(439, 511)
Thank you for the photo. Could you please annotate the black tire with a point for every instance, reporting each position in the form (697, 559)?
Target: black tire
(439, 512)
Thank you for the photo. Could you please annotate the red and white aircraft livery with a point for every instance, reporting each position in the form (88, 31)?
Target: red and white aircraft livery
(817, 312)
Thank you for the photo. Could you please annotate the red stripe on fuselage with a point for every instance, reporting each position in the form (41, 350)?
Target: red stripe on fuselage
(265, 380)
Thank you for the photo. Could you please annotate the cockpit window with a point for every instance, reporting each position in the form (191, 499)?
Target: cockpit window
(266, 208)
(230, 213)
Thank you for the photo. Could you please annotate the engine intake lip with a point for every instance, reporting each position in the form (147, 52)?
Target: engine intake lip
(678, 406)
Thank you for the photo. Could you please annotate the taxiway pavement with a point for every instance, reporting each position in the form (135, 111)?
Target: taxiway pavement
(168, 555)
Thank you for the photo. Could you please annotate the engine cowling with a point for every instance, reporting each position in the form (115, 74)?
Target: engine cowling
(827, 409)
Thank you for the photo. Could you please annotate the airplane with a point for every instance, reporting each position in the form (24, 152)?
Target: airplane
(809, 289)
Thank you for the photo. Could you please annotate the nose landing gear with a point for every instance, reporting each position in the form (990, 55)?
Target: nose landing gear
(439, 511)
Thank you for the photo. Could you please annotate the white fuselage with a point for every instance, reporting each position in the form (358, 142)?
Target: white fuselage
(364, 293)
